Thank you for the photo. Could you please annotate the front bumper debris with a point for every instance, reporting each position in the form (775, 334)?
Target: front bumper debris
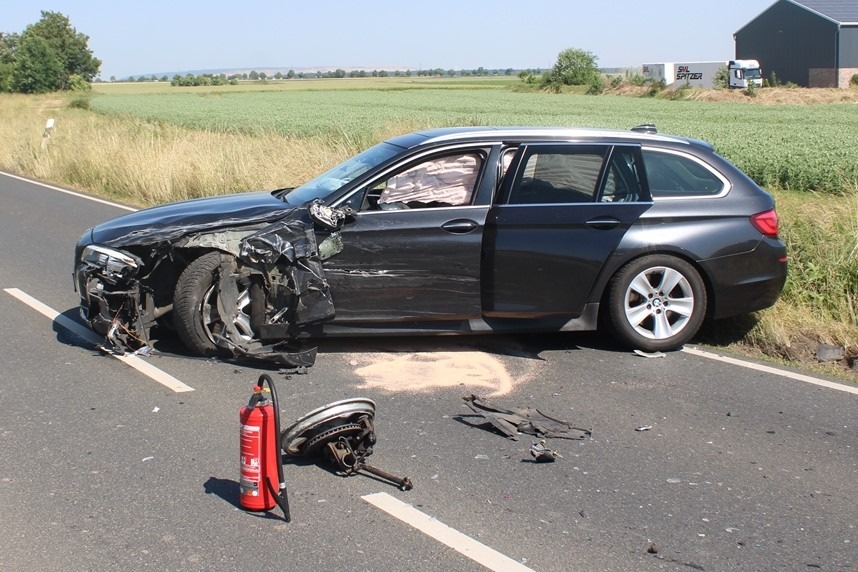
(123, 296)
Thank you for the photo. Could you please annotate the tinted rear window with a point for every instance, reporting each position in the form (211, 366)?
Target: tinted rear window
(672, 175)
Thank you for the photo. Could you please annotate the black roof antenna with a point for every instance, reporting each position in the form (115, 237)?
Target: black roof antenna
(645, 128)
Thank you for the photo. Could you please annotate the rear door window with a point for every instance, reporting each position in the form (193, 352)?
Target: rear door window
(558, 175)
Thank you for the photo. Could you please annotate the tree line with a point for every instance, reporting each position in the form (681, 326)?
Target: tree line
(49, 55)
(206, 79)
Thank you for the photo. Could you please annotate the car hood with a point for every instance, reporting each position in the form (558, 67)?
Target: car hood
(174, 220)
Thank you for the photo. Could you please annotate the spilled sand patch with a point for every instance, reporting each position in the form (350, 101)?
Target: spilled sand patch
(424, 371)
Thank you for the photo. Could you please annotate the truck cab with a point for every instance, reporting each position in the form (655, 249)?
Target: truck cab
(744, 73)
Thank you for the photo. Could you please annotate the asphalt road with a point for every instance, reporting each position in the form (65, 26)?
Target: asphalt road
(102, 467)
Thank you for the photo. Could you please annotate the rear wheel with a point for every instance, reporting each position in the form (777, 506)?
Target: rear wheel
(656, 302)
(195, 307)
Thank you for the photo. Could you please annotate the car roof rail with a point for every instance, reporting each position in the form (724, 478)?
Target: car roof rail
(645, 128)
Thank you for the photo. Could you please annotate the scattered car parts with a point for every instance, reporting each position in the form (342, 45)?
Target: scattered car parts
(343, 433)
(527, 420)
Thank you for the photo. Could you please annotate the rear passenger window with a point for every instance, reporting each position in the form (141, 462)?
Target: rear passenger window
(671, 175)
(552, 177)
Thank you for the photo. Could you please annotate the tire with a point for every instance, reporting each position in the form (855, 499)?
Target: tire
(644, 314)
(195, 314)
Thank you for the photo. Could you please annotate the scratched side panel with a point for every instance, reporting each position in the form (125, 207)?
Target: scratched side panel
(404, 265)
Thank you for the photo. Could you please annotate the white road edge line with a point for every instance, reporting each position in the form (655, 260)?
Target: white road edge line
(68, 192)
(773, 370)
(476, 551)
(135, 362)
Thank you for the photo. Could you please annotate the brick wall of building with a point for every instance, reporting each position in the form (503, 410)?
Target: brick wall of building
(822, 77)
(846, 77)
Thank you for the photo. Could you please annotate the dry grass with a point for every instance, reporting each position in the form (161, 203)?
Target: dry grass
(820, 302)
(151, 163)
(766, 96)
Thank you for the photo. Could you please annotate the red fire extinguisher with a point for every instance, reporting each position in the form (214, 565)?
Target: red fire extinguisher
(261, 484)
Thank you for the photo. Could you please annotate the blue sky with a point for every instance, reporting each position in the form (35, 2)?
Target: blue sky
(152, 36)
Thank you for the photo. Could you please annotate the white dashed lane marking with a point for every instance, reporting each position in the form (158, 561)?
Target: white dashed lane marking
(476, 551)
(773, 370)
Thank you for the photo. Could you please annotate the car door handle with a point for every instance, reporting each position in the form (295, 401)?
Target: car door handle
(605, 223)
(460, 226)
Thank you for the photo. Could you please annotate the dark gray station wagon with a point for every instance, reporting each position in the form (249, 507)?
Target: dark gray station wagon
(461, 230)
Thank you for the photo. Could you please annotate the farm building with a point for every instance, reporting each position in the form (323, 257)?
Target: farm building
(813, 43)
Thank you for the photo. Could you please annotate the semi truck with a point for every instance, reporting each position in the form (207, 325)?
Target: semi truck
(741, 73)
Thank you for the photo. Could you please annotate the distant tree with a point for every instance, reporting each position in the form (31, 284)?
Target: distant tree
(507, 71)
(290, 74)
(113, 78)
(340, 73)
(574, 67)
(383, 73)
(263, 76)
(721, 79)
(254, 75)
(69, 46)
(79, 83)
(38, 69)
(164, 78)
(8, 44)
(278, 75)
(451, 73)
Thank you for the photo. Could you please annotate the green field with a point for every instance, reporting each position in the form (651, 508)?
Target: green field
(807, 147)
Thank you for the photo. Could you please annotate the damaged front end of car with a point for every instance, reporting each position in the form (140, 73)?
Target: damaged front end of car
(254, 289)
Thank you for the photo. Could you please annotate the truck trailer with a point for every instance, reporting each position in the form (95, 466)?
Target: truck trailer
(741, 73)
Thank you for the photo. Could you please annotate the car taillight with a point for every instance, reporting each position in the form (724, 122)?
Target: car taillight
(766, 222)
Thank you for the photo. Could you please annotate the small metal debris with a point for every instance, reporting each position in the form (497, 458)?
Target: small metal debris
(828, 352)
(643, 427)
(650, 354)
(652, 548)
(542, 454)
(144, 351)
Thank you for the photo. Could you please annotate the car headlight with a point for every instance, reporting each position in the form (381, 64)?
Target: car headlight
(114, 262)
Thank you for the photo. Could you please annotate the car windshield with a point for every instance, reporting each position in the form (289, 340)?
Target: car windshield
(334, 179)
(753, 73)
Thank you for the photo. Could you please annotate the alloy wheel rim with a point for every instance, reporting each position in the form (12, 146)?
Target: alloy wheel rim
(659, 303)
(212, 321)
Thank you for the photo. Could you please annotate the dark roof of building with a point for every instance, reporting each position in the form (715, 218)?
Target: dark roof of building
(843, 11)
